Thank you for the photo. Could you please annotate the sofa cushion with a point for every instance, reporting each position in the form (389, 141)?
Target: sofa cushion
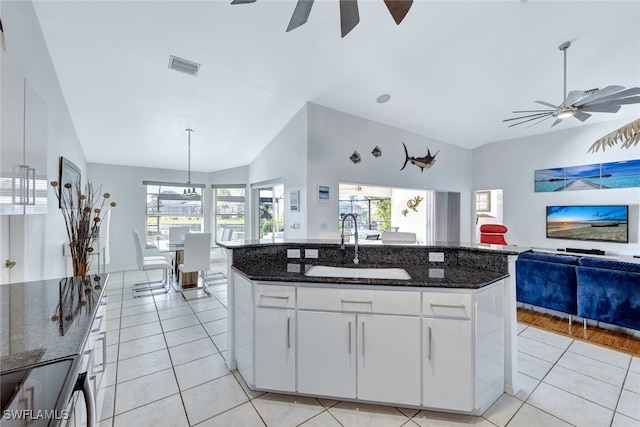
(561, 259)
(607, 295)
(547, 284)
(610, 264)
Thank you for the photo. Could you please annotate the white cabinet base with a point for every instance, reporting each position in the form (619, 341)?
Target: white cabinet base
(445, 352)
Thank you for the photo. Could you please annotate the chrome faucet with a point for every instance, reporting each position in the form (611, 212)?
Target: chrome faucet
(355, 223)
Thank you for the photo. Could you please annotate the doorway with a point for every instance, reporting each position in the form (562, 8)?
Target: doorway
(269, 218)
(488, 209)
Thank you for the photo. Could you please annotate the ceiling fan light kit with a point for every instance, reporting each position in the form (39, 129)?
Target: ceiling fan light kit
(578, 103)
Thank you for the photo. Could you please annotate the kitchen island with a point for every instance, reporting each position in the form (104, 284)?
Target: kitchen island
(52, 334)
(420, 326)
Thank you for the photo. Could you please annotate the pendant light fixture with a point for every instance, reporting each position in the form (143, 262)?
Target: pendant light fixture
(189, 192)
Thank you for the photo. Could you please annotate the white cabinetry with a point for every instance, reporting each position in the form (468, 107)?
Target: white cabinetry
(275, 332)
(365, 355)
(440, 349)
(23, 144)
(326, 354)
(389, 358)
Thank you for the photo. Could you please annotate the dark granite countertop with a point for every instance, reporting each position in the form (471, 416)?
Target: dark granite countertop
(46, 320)
(421, 275)
(466, 266)
(507, 250)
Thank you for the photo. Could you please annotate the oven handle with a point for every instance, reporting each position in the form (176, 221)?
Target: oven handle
(83, 384)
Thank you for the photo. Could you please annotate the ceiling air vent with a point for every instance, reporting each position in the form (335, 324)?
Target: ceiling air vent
(183, 65)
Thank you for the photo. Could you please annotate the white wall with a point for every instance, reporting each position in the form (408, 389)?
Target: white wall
(233, 176)
(413, 221)
(334, 135)
(125, 185)
(510, 165)
(284, 157)
(25, 45)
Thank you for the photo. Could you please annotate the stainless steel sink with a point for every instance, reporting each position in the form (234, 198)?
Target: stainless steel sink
(358, 272)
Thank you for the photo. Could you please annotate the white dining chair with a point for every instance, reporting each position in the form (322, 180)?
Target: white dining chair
(176, 234)
(398, 237)
(197, 247)
(146, 263)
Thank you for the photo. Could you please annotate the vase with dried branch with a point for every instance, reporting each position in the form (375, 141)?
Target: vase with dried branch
(82, 212)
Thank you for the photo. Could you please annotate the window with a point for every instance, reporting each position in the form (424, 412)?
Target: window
(170, 205)
(229, 204)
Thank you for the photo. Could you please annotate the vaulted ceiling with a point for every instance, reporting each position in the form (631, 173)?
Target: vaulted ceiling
(454, 70)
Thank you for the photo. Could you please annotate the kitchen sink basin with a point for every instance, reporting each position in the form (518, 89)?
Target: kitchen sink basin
(358, 272)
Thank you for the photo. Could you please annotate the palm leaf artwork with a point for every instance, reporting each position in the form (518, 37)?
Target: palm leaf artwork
(628, 135)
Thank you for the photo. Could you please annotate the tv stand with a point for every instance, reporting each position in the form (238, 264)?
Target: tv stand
(585, 251)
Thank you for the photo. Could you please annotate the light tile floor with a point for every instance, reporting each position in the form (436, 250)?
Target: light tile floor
(166, 368)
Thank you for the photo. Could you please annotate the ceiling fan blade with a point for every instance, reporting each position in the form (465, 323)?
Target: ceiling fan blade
(534, 111)
(300, 14)
(349, 16)
(242, 1)
(528, 120)
(548, 105)
(536, 115)
(538, 122)
(599, 94)
(556, 122)
(573, 96)
(581, 116)
(617, 96)
(398, 9)
(601, 108)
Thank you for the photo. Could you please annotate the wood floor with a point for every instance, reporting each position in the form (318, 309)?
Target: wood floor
(611, 339)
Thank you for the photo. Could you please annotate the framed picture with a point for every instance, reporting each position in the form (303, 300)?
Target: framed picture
(324, 195)
(294, 201)
(69, 173)
(483, 201)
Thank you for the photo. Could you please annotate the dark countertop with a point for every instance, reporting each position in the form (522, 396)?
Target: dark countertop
(466, 266)
(507, 250)
(421, 276)
(46, 320)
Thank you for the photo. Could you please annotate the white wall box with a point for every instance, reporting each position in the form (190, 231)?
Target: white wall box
(23, 145)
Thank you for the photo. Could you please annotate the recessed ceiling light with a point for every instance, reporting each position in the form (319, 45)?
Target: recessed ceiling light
(383, 98)
(183, 65)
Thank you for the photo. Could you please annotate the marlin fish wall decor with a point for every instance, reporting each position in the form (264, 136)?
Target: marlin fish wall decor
(422, 162)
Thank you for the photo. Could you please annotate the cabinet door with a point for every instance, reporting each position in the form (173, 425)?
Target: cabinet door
(389, 358)
(35, 152)
(11, 136)
(327, 354)
(275, 351)
(447, 364)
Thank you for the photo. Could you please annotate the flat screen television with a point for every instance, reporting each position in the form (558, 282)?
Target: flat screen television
(600, 223)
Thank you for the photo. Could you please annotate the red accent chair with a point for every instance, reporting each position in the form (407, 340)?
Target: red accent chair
(493, 234)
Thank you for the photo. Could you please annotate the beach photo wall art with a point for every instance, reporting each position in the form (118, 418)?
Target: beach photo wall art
(599, 176)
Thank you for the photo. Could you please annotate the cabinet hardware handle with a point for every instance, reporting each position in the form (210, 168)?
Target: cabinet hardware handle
(103, 363)
(288, 332)
(32, 179)
(429, 355)
(351, 301)
(462, 306)
(274, 296)
(363, 338)
(349, 337)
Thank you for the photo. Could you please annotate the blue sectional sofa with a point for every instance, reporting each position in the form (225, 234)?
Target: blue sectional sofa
(609, 291)
(598, 289)
(547, 281)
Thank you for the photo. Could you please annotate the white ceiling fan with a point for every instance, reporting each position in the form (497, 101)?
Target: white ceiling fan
(579, 103)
